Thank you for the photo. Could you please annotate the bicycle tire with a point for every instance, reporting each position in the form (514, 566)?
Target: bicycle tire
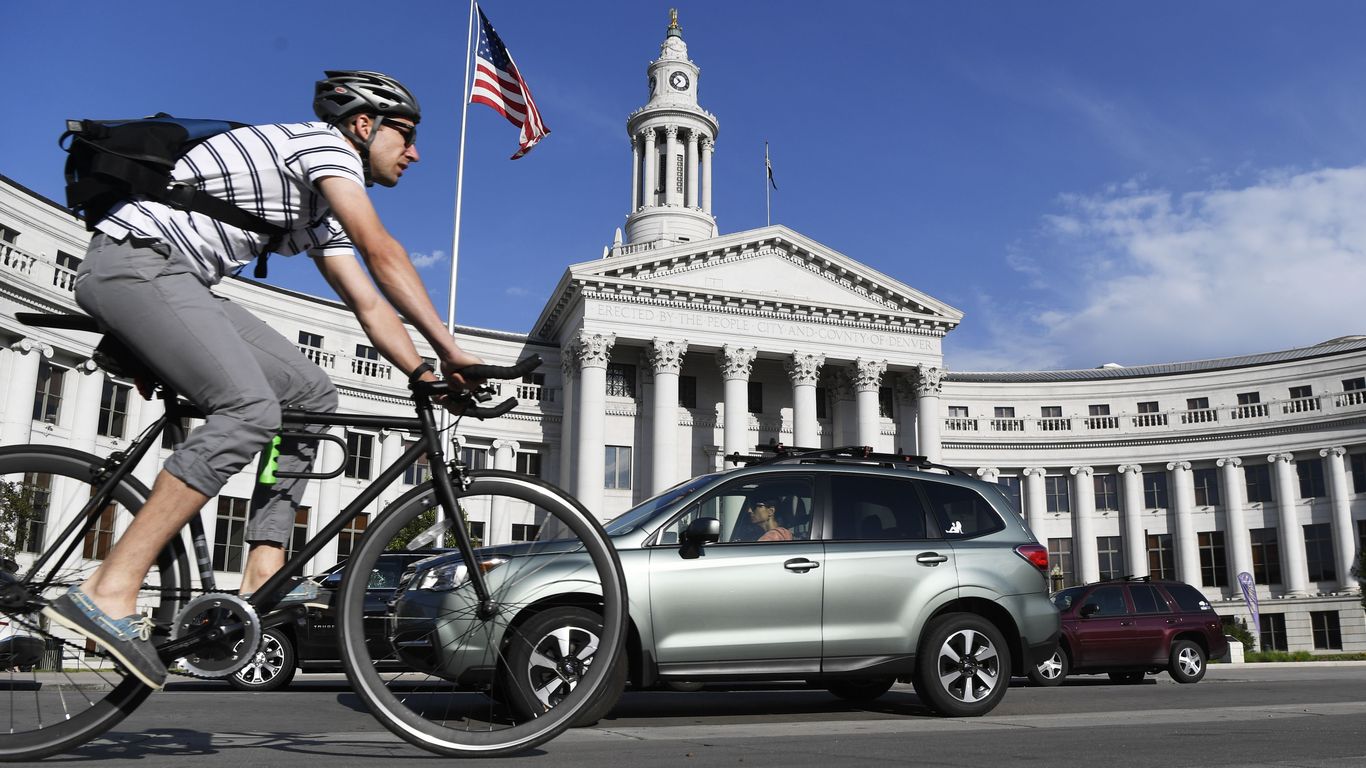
(445, 704)
(50, 712)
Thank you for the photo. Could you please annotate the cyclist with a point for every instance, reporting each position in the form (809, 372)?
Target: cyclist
(146, 279)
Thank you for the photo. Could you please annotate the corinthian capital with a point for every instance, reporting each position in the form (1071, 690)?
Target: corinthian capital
(671, 132)
(869, 374)
(736, 361)
(666, 355)
(594, 349)
(804, 368)
(929, 381)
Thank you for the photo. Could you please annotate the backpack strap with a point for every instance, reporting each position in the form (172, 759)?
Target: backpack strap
(187, 197)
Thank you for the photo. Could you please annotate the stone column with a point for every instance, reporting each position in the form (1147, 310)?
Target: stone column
(85, 416)
(1294, 569)
(671, 195)
(390, 448)
(636, 192)
(651, 170)
(1083, 524)
(569, 367)
(708, 148)
(1135, 540)
(148, 412)
(594, 350)
(1036, 502)
(666, 360)
(907, 427)
(867, 382)
(929, 382)
(18, 426)
(804, 370)
(1187, 545)
(1344, 538)
(690, 170)
(330, 456)
(499, 530)
(1238, 541)
(736, 362)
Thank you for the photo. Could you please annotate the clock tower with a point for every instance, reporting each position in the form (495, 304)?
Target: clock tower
(672, 140)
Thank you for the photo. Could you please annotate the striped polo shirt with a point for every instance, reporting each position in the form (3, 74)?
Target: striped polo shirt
(269, 170)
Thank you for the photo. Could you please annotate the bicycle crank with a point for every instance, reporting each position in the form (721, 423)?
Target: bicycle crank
(225, 631)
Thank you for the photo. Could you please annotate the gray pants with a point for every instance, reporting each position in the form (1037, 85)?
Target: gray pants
(222, 358)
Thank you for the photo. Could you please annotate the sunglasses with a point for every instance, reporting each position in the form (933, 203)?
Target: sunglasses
(409, 132)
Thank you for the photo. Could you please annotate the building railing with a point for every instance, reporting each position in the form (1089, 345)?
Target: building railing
(63, 278)
(16, 259)
(321, 358)
(371, 369)
(1176, 420)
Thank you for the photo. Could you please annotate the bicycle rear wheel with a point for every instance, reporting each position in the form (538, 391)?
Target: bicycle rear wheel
(457, 680)
(68, 695)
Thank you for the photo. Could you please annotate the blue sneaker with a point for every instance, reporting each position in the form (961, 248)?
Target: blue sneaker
(128, 639)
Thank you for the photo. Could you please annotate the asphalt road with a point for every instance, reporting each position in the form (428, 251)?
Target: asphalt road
(1301, 716)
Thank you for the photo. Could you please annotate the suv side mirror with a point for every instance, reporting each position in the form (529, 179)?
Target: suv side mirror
(1088, 610)
(703, 530)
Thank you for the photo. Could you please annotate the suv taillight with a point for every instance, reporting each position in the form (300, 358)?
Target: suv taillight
(1036, 554)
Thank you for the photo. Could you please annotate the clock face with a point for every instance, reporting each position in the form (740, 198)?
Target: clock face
(679, 80)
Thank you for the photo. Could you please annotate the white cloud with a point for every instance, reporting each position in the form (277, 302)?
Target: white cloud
(1146, 276)
(516, 291)
(424, 260)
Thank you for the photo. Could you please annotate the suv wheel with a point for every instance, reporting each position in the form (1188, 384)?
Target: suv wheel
(1052, 670)
(865, 689)
(1187, 662)
(270, 668)
(558, 645)
(964, 665)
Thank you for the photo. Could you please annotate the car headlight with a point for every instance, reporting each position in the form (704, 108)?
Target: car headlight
(445, 578)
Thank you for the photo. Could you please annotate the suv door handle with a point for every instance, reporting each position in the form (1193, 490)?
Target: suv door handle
(931, 558)
(800, 565)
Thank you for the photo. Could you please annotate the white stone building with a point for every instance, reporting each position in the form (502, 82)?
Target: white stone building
(682, 345)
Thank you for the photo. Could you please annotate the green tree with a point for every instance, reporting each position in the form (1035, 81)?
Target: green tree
(17, 509)
(415, 527)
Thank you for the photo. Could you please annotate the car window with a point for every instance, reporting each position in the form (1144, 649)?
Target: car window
(1110, 600)
(867, 508)
(754, 509)
(1063, 600)
(1147, 599)
(961, 511)
(1188, 598)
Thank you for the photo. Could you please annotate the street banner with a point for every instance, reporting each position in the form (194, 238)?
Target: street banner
(1250, 597)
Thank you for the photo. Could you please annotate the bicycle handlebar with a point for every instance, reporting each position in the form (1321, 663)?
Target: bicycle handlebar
(467, 400)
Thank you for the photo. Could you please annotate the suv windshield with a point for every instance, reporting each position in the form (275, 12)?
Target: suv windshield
(627, 521)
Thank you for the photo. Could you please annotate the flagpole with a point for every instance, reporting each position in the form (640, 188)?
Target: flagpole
(460, 176)
(768, 210)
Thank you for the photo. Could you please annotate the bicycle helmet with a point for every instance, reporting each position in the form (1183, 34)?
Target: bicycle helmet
(343, 93)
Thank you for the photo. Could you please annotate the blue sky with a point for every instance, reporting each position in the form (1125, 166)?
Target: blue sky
(1131, 182)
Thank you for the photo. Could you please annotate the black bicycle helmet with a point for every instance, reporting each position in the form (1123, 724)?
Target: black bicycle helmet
(343, 93)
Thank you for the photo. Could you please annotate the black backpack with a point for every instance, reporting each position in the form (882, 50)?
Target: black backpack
(110, 161)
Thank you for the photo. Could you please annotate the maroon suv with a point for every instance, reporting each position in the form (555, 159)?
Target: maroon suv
(1131, 627)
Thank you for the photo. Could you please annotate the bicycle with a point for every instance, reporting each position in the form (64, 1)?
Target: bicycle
(454, 692)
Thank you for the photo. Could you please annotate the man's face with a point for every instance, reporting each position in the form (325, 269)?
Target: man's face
(392, 150)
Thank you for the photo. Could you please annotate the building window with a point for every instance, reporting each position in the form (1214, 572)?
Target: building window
(1327, 631)
(756, 397)
(1273, 633)
(617, 467)
(298, 534)
(113, 408)
(314, 340)
(366, 352)
(360, 452)
(884, 402)
(687, 392)
(1051, 412)
(1206, 487)
(47, 395)
(1111, 556)
(476, 531)
(229, 534)
(1148, 415)
(1318, 552)
(1213, 566)
(1011, 487)
(1161, 561)
(474, 456)
(1358, 463)
(1004, 412)
(1249, 405)
(1259, 488)
(1198, 411)
(1297, 393)
(1155, 490)
(420, 471)
(1311, 478)
(1060, 564)
(958, 411)
(1266, 556)
(1098, 417)
(524, 532)
(1055, 494)
(621, 380)
(532, 389)
(1107, 492)
(350, 536)
(28, 533)
(67, 261)
(99, 539)
(7, 235)
(529, 463)
(1354, 385)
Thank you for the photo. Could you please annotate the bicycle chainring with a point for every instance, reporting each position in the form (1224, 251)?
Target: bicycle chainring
(235, 629)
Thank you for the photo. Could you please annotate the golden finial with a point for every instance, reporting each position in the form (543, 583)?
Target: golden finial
(673, 18)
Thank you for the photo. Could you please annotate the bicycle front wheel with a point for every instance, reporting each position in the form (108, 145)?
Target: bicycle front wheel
(460, 678)
(54, 693)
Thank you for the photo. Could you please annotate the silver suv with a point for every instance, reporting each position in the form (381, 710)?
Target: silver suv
(843, 568)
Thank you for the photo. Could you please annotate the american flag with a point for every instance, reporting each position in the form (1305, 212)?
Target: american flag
(498, 84)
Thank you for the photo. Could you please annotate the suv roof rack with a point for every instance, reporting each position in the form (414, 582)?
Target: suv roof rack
(773, 453)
